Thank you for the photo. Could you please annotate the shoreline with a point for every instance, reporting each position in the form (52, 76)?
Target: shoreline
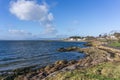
(73, 41)
(45, 72)
(86, 63)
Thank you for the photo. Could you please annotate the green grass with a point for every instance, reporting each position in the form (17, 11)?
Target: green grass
(114, 44)
(104, 71)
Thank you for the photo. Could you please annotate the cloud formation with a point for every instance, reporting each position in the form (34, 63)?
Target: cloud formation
(31, 11)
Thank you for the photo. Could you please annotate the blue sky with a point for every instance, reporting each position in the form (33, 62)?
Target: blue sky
(34, 19)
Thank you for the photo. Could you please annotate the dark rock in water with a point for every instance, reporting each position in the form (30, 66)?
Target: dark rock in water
(62, 49)
(10, 77)
(74, 48)
(88, 44)
(24, 70)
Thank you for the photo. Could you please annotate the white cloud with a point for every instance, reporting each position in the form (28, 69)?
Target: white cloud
(31, 11)
(19, 32)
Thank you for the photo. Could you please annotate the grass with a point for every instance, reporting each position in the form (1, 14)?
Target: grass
(1, 78)
(104, 71)
(114, 44)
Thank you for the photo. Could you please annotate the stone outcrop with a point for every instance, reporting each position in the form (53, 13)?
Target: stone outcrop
(94, 56)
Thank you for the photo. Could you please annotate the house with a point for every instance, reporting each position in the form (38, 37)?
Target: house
(75, 38)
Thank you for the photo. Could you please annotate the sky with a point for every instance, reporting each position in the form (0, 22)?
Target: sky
(35, 19)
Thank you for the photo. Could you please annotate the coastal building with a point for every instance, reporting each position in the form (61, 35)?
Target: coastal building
(112, 37)
(108, 37)
(75, 39)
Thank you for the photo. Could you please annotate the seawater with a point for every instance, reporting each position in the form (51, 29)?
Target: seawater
(19, 54)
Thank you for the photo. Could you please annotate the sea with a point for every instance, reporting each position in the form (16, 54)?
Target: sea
(20, 54)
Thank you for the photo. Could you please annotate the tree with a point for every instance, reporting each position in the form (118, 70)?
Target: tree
(76, 37)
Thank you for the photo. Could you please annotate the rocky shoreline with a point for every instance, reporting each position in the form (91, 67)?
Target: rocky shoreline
(94, 56)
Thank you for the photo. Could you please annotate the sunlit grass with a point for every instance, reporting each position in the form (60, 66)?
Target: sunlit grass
(104, 71)
(114, 44)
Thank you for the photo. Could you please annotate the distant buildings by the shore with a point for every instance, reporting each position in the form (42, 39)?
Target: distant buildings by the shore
(105, 37)
(114, 36)
(75, 38)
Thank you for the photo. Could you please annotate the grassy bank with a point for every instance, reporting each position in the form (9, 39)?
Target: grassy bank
(103, 71)
(114, 44)
(109, 70)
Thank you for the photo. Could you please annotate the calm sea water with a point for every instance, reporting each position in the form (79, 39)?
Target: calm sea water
(18, 54)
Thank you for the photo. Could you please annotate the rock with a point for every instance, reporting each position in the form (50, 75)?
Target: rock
(61, 50)
(88, 44)
(52, 70)
(57, 66)
(48, 67)
(72, 62)
(74, 48)
(21, 77)
(41, 69)
(10, 77)
(61, 62)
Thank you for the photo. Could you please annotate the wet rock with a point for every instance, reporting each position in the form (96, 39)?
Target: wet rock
(61, 62)
(10, 77)
(41, 69)
(71, 48)
(88, 44)
(62, 50)
(57, 66)
(48, 67)
(22, 70)
(72, 62)
(20, 78)
(74, 48)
